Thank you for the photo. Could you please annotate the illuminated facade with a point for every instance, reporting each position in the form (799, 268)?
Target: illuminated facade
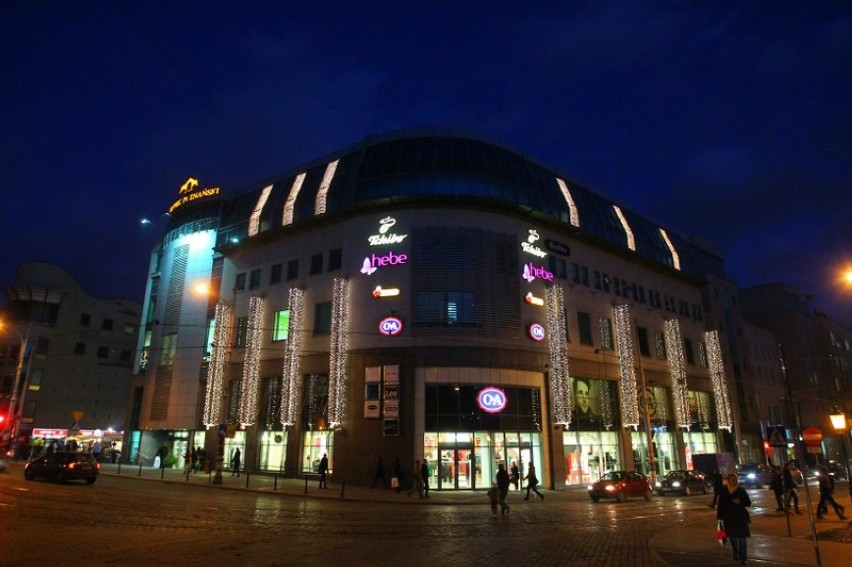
(430, 294)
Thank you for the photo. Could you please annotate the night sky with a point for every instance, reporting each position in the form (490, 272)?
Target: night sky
(729, 120)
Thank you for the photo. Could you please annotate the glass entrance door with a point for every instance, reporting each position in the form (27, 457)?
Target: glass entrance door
(458, 468)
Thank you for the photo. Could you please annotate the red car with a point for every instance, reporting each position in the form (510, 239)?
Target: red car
(620, 485)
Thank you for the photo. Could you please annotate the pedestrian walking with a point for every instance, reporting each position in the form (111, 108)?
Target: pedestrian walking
(380, 473)
(235, 462)
(532, 482)
(732, 511)
(503, 482)
(323, 471)
(788, 478)
(776, 485)
(717, 487)
(493, 498)
(424, 474)
(417, 484)
(826, 495)
(397, 474)
(515, 475)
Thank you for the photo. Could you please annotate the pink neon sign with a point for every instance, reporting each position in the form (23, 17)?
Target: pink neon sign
(374, 261)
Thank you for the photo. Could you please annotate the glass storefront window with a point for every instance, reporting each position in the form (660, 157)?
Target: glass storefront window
(273, 450)
(589, 455)
(315, 444)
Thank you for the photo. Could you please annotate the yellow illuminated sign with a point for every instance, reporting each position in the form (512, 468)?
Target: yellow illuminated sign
(190, 192)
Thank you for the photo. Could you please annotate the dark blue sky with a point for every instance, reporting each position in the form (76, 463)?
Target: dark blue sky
(730, 120)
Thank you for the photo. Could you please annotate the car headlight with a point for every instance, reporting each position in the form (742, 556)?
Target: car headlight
(658, 484)
(609, 488)
(751, 476)
(590, 487)
(676, 484)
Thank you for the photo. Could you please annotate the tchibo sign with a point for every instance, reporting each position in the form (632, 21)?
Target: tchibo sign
(491, 400)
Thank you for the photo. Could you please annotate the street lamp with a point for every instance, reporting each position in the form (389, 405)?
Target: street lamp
(11, 422)
(838, 421)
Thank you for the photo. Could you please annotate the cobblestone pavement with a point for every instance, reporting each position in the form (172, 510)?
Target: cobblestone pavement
(152, 517)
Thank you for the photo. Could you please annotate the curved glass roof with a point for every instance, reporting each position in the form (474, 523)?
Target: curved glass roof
(437, 167)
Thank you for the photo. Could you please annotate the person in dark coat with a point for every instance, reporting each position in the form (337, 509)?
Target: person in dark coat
(826, 496)
(718, 484)
(424, 472)
(235, 462)
(503, 487)
(789, 479)
(777, 487)
(380, 473)
(323, 471)
(732, 510)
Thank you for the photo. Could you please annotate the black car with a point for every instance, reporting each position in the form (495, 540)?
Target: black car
(63, 466)
(682, 482)
(754, 476)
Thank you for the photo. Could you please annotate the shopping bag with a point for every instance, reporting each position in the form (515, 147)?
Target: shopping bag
(394, 482)
(721, 536)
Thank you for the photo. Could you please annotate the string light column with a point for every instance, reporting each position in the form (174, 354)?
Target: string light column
(560, 389)
(338, 356)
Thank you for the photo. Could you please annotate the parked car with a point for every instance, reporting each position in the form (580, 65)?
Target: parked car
(754, 475)
(620, 485)
(682, 482)
(63, 466)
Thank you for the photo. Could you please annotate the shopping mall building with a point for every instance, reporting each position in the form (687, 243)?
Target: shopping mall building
(430, 294)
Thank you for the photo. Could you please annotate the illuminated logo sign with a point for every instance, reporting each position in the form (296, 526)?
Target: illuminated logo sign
(372, 262)
(491, 400)
(189, 192)
(532, 272)
(384, 237)
(533, 300)
(390, 292)
(390, 326)
(536, 331)
(529, 246)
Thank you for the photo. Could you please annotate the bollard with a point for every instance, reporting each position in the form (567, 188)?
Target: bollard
(140, 468)
(162, 472)
(275, 484)
(248, 475)
(306, 484)
(119, 467)
(342, 488)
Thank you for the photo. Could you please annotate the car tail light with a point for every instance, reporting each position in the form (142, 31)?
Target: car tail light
(72, 465)
(98, 466)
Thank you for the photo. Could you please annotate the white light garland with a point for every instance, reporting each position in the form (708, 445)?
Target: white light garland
(290, 203)
(251, 362)
(560, 387)
(338, 357)
(573, 213)
(290, 381)
(216, 368)
(672, 249)
(717, 372)
(624, 337)
(628, 232)
(322, 193)
(677, 373)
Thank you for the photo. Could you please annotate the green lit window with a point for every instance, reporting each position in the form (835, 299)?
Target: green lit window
(280, 325)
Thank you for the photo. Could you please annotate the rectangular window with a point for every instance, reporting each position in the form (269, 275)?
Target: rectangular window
(85, 319)
(275, 274)
(316, 264)
(322, 318)
(280, 325)
(696, 313)
(34, 383)
(242, 331)
(584, 275)
(702, 354)
(575, 273)
(240, 283)
(125, 356)
(558, 266)
(687, 351)
(292, 270)
(606, 333)
(642, 338)
(335, 259)
(584, 322)
(254, 279)
(445, 308)
(41, 347)
(80, 348)
(106, 325)
(129, 329)
(103, 352)
(660, 343)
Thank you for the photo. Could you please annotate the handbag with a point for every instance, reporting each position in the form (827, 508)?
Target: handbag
(394, 482)
(721, 536)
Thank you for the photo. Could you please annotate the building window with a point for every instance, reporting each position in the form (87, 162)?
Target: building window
(34, 382)
(322, 318)
(242, 331)
(85, 319)
(275, 274)
(687, 351)
(80, 348)
(254, 279)
(642, 338)
(316, 264)
(106, 325)
(558, 266)
(103, 352)
(41, 347)
(335, 259)
(280, 325)
(584, 322)
(240, 283)
(660, 342)
(702, 354)
(606, 333)
(129, 329)
(125, 356)
(445, 308)
(292, 270)
(696, 313)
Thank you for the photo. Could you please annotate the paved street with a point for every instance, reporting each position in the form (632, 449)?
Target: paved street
(137, 518)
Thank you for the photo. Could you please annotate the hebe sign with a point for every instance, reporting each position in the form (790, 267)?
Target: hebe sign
(374, 261)
(491, 400)
(537, 332)
(390, 326)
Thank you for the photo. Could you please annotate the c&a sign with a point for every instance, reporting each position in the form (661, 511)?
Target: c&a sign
(491, 399)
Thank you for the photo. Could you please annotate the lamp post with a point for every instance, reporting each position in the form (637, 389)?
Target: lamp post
(14, 399)
(838, 421)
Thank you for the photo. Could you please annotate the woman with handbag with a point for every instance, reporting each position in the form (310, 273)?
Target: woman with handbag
(732, 511)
